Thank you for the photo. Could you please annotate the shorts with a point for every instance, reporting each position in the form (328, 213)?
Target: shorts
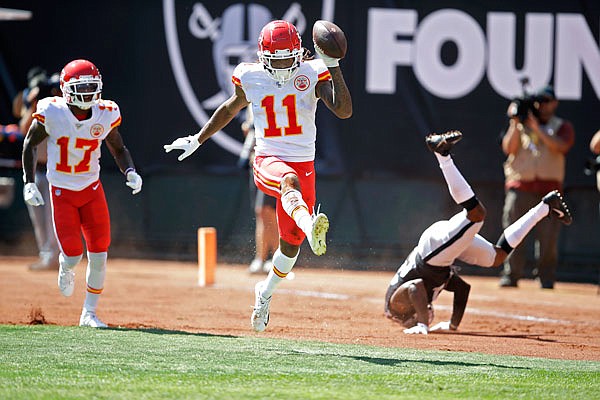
(76, 212)
(268, 173)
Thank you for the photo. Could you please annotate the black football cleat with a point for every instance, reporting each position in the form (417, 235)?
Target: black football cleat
(558, 207)
(442, 143)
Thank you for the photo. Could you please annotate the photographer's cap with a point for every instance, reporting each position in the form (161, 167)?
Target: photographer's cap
(546, 92)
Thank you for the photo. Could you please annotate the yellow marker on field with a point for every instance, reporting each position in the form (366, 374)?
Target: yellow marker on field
(207, 256)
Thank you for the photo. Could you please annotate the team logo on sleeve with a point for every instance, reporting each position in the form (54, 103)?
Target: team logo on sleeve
(96, 130)
(301, 82)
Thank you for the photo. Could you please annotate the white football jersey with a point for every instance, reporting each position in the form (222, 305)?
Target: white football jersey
(284, 116)
(73, 145)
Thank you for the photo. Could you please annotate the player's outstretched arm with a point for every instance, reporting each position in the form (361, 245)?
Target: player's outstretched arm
(220, 118)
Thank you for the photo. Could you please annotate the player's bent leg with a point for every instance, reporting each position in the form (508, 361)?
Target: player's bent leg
(482, 253)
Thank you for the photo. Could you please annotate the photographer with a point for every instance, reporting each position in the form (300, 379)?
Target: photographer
(536, 143)
(595, 164)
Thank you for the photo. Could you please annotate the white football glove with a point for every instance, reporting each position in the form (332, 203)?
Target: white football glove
(418, 329)
(134, 181)
(32, 195)
(443, 326)
(329, 61)
(188, 144)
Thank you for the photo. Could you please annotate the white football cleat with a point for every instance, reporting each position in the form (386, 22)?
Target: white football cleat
(260, 314)
(66, 281)
(418, 329)
(317, 239)
(90, 319)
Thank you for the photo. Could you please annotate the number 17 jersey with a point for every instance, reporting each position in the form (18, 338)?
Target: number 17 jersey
(74, 146)
(284, 115)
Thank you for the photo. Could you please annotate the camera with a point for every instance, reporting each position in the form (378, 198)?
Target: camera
(49, 87)
(521, 106)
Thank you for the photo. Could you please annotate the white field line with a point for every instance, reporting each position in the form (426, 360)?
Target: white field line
(470, 310)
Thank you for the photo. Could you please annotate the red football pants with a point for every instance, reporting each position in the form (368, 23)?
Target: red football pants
(268, 172)
(84, 211)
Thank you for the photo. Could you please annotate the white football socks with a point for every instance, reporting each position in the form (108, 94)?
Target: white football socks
(282, 265)
(458, 187)
(96, 272)
(516, 232)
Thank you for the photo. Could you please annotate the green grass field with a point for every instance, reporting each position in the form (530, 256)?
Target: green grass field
(70, 362)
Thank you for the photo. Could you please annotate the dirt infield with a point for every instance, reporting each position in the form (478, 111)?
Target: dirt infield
(324, 305)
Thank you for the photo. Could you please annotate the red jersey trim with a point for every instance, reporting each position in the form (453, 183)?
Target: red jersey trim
(116, 123)
(39, 117)
(324, 76)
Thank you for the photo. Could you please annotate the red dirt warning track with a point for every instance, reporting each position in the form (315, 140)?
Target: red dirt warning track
(323, 305)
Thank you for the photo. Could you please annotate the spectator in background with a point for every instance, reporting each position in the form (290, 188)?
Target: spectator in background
(35, 75)
(536, 148)
(40, 86)
(11, 146)
(266, 235)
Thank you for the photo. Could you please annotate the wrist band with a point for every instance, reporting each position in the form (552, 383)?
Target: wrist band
(128, 170)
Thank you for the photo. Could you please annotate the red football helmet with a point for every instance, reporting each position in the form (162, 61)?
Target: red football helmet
(280, 40)
(81, 83)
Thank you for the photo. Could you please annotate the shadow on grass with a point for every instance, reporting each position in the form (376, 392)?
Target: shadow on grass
(159, 331)
(529, 336)
(397, 362)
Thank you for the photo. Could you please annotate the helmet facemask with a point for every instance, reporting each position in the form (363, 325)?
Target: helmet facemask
(83, 91)
(281, 75)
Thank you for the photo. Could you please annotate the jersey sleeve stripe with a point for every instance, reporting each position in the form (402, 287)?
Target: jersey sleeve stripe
(116, 123)
(39, 117)
(236, 81)
(324, 76)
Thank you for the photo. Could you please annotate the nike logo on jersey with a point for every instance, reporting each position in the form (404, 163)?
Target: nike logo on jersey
(78, 125)
(96, 186)
(558, 212)
(309, 173)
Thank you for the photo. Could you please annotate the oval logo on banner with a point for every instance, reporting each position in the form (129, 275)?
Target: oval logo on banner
(197, 32)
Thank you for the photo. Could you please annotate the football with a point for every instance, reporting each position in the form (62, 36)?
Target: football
(330, 39)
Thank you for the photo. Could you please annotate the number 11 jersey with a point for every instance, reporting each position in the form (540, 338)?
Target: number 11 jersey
(284, 114)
